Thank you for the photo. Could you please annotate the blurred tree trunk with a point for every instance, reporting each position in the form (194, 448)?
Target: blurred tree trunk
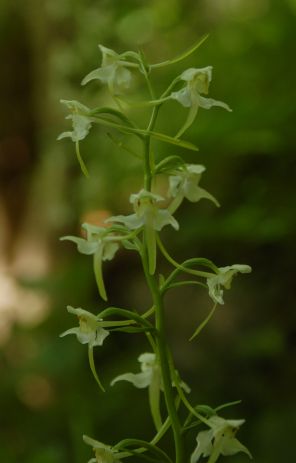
(22, 47)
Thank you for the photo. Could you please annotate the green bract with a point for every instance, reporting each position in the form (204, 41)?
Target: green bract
(114, 71)
(224, 279)
(197, 82)
(184, 183)
(149, 216)
(102, 245)
(219, 440)
(89, 330)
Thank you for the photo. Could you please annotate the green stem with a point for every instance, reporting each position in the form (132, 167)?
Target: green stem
(163, 353)
(148, 157)
(161, 344)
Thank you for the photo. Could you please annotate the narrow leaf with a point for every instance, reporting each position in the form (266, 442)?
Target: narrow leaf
(169, 163)
(183, 55)
(112, 112)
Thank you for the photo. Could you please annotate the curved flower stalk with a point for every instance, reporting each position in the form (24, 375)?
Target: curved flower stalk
(150, 376)
(103, 453)
(218, 440)
(151, 217)
(184, 183)
(102, 244)
(89, 331)
(224, 279)
(197, 81)
(114, 70)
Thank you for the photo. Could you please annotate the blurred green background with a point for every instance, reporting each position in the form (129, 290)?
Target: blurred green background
(48, 397)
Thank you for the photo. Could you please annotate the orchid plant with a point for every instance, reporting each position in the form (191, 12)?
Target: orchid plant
(140, 231)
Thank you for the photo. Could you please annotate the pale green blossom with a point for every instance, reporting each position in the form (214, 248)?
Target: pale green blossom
(224, 279)
(184, 183)
(99, 243)
(218, 440)
(80, 116)
(114, 71)
(103, 453)
(89, 330)
(150, 377)
(197, 82)
(150, 372)
(149, 216)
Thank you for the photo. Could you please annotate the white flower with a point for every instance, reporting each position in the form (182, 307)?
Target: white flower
(114, 71)
(103, 453)
(224, 279)
(89, 330)
(197, 82)
(80, 121)
(102, 245)
(149, 372)
(219, 440)
(151, 217)
(185, 184)
(150, 377)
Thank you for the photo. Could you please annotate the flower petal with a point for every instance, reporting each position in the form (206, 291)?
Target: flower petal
(109, 250)
(103, 74)
(183, 96)
(190, 118)
(122, 78)
(132, 221)
(208, 103)
(204, 445)
(83, 246)
(162, 218)
(70, 331)
(139, 380)
(231, 446)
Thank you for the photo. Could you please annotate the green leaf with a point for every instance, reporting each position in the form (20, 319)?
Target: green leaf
(123, 146)
(126, 443)
(168, 164)
(111, 112)
(186, 283)
(144, 133)
(110, 311)
(172, 141)
(183, 55)
(228, 404)
(205, 409)
(133, 329)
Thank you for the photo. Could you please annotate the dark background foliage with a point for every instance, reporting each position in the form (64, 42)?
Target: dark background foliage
(48, 397)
